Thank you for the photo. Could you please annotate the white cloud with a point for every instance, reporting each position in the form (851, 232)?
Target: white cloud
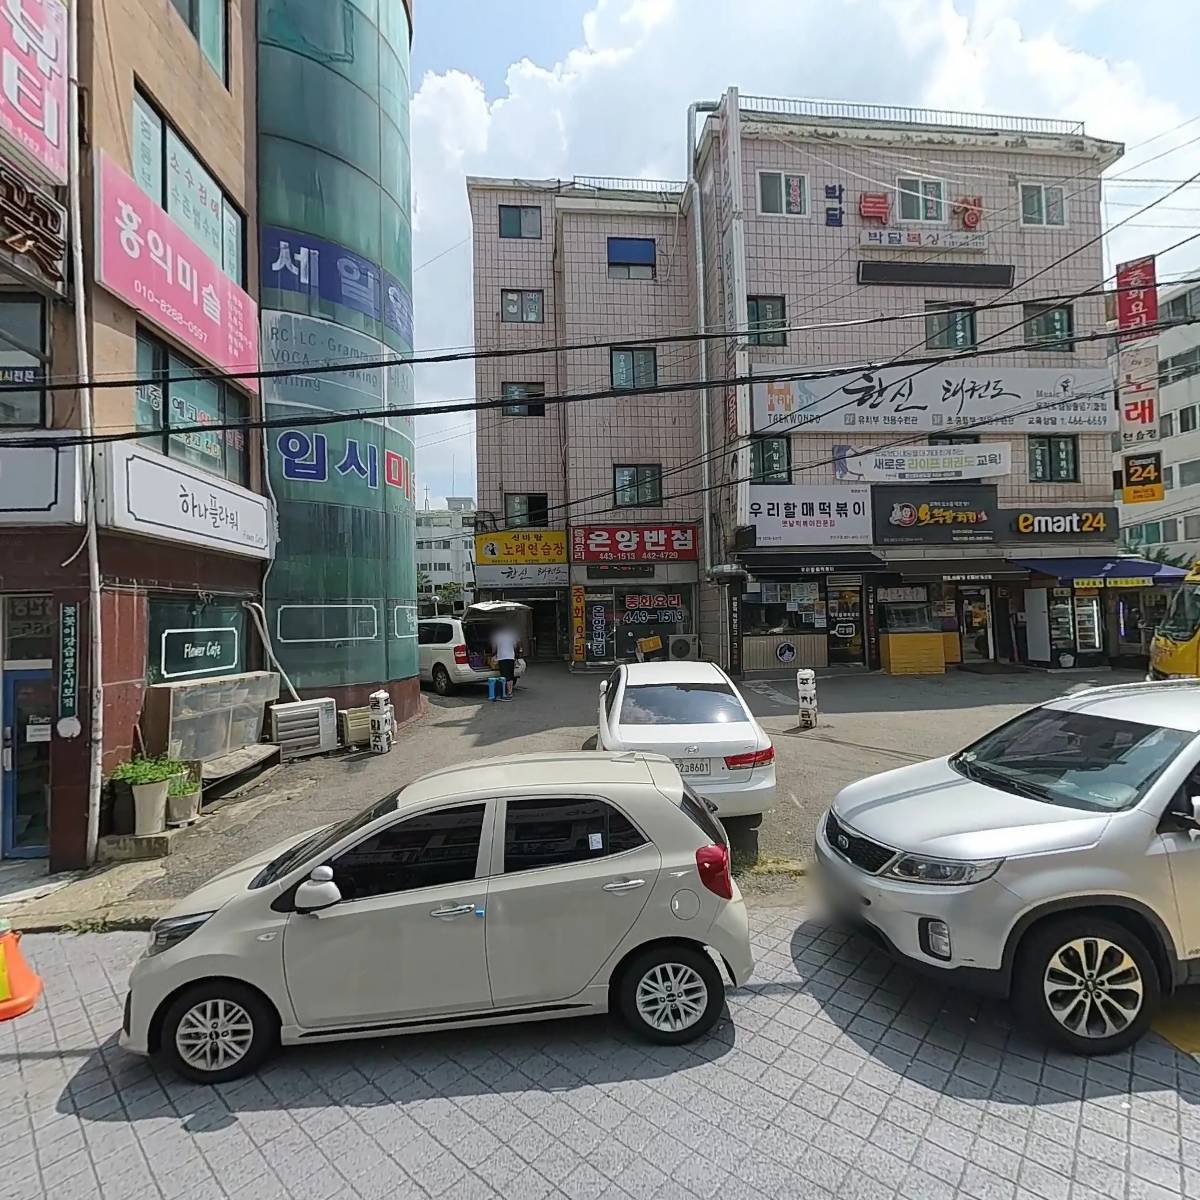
(616, 103)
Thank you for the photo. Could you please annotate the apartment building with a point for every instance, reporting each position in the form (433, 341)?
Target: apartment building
(446, 552)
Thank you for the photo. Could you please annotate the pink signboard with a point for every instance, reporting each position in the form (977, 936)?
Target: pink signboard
(33, 84)
(149, 262)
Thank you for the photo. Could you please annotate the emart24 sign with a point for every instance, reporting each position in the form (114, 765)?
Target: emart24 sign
(1097, 524)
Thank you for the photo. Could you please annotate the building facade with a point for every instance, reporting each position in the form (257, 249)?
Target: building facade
(446, 553)
(955, 511)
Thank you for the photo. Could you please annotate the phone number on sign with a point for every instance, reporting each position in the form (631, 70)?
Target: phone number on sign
(169, 311)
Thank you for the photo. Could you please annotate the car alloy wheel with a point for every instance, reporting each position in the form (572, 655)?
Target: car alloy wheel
(1093, 987)
(214, 1035)
(671, 997)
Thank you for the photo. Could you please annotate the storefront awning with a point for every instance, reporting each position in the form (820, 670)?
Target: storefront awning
(1112, 570)
(959, 570)
(775, 563)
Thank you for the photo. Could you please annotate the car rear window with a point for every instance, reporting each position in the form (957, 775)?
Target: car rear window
(703, 816)
(680, 704)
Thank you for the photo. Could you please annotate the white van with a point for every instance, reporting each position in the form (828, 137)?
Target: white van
(456, 650)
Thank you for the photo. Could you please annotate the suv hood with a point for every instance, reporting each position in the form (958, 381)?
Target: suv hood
(233, 881)
(929, 808)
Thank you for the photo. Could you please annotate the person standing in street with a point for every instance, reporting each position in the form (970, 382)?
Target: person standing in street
(504, 645)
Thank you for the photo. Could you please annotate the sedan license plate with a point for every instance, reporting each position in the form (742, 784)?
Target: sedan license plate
(692, 766)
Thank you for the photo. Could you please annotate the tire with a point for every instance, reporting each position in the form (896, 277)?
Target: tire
(655, 966)
(441, 681)
(250, 1016)
(1102, 1021)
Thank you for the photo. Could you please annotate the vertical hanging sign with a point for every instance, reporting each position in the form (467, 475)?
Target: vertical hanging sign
(68, 670)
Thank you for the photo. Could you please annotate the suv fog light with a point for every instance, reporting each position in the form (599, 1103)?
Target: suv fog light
(935, 937)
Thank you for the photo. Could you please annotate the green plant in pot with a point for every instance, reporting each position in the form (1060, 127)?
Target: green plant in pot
(148, 780)
(183, 798)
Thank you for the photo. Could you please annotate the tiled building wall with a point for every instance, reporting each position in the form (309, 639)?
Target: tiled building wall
(814, 267)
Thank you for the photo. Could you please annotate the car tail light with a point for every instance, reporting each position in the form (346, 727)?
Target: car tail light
(460, 654)
(756, 758)
(713, 864)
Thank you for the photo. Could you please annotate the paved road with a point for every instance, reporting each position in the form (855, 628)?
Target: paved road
(867, 724)
(837, 1075)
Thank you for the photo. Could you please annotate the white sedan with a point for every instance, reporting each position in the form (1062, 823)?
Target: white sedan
(692, 712)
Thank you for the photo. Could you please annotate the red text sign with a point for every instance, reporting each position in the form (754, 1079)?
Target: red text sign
(1137, 295)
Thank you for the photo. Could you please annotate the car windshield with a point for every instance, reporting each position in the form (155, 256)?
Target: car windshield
(1182, 622)
(681, 704)
(1073, 759)
(321, 840)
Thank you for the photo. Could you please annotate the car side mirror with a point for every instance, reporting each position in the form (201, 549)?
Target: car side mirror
(318, 891)
(603, 686)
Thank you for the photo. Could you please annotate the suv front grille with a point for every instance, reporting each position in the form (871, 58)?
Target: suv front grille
(865, 854)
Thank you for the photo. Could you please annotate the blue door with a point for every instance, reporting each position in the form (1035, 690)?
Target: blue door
(27, 713)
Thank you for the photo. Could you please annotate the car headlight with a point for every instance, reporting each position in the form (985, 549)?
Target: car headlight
(916, 868)
(170, 931)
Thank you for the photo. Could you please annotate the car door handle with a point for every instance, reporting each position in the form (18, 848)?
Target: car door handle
(626, 885)
(452, 910)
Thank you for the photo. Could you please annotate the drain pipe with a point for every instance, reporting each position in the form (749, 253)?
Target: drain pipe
(87, 428)
(693, 184)
(259, 616)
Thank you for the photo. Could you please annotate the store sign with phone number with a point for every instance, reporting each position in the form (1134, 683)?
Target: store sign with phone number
(643, 609)
(634, 543)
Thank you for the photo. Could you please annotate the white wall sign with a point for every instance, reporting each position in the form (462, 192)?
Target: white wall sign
(40, 485)
(796, 515)
(900, 463)
(146, 492)
(1137, 379)
(939, 400)
(521, 574)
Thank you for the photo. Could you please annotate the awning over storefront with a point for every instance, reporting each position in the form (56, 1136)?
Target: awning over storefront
(959, 570)
(1116, 572)
(792, 564)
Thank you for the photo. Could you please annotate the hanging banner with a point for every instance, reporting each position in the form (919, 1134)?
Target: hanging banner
(898, 464)
(33, 99)
(578, 626)
(1137, 295)
(1142, 478)
(1137, 390)
(68, 661)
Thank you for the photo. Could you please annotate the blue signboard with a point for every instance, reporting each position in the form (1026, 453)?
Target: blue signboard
(300, 262)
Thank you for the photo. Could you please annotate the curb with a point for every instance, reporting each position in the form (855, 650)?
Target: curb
(115, 920)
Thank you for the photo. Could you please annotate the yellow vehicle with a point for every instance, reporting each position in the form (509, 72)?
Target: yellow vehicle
(1175, 651)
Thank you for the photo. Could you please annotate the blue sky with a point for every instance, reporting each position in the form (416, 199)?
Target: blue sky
(551, 88)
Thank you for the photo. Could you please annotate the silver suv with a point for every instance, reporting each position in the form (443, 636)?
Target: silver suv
(1056, 860)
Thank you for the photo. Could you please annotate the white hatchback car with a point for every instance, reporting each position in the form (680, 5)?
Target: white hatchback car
(691, 712)
(511, 889)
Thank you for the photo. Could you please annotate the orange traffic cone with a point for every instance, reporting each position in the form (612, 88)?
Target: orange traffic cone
(20, 985)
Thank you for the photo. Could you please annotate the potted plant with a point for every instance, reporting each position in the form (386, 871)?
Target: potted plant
(148, 780)
(183, 799)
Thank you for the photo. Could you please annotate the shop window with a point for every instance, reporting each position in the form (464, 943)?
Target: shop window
(631, 258)
(22, 358)
(771, 460)
(174, 178)
(1150, 532)
(526, 509)
(949, 326)
(207, 20)
(1050, 327)
(1170, 529)
(183, 395)
(1187, 419)
(30, 625)
(521, 394)
(1189, 473)
(784, 608)
(521, 307)
(190, 637)
(921, 199)
(520, 221)
(634, 368)
(1166, 425)
(637, 485)
(647, 610)
(781, 194)
(1043, 204)
(1191, 528)
(766, 321)
(1054, 459)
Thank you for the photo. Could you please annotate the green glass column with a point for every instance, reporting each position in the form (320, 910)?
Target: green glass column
(335, 267)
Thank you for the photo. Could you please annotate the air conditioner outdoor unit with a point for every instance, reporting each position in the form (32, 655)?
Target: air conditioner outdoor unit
(683, 645)
(305, 727)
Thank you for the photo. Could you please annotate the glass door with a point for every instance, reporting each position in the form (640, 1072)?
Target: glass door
(28, 716)
(845, 623)
(600, 628)
(975, 624)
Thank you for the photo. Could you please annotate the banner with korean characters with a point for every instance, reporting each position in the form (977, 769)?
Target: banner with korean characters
(520, 546)
(938, 400)
(950, 514)
(799, 515)
(634, 543)
(1142, 478)
(1137, 295)
(895, 464)
(1137, 392)
(915, 239)
(578, 625)
(521, 575)
(33, 99)
(146, 260)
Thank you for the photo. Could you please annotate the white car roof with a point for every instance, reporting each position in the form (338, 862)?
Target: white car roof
(573, 769)
(637, 674)
(1169, 703)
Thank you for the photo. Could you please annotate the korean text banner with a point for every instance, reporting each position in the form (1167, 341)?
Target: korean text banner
(795, 515)
(634, 543)
(954, 514)
(516, 546)
(898, 463)
(145, 259)
(1137, 295)
(33, 100)
(1137, 381)
(938, 399)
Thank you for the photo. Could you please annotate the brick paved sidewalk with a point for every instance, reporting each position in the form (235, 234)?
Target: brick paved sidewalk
(839, 1075)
